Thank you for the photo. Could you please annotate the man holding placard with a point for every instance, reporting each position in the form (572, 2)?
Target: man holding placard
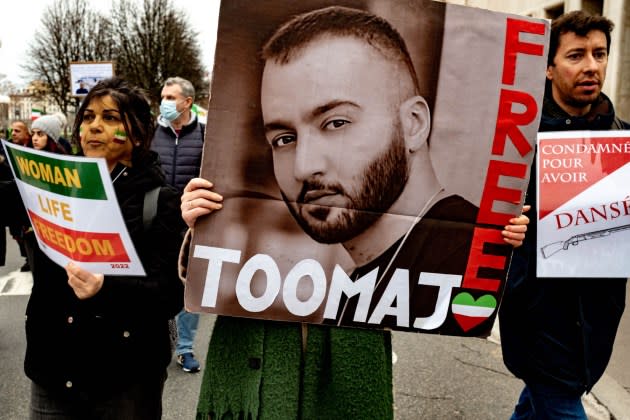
(557, 334)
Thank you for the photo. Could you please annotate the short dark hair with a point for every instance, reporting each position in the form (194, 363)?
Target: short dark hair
(133, 106)
(290, 38)
(579, 22)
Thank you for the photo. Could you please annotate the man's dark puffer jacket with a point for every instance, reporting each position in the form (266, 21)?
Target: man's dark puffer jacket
(180, 156)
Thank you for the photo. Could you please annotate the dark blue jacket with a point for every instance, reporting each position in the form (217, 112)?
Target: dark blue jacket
(180, 156)
(560, 331)
(5, 176)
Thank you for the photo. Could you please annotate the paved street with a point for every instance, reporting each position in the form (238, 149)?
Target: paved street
(474, 386)
(435, 377)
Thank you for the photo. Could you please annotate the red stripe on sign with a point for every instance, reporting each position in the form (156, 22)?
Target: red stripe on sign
(568, 167)
(80, 246)
(469, 322)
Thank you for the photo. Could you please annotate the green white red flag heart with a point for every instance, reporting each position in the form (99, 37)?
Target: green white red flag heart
(469, 312)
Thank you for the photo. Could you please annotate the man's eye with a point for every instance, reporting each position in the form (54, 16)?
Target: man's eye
(283, 140)
(335, 124)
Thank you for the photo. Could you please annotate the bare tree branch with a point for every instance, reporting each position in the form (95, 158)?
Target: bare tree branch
(148, 44)
(70, 31)
(154, 42)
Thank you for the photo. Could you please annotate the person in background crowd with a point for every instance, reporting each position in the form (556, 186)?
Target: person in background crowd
(5, 176)
(44, 136)
(557, 334)
(45, 132)
(20, 133)
(178, 140)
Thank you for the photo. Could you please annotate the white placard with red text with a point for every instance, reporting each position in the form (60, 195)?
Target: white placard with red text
(583, 204)
(74, 213)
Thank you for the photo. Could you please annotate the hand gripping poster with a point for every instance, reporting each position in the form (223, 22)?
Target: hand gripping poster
(73, 210)
(369, 154)
(583, 204)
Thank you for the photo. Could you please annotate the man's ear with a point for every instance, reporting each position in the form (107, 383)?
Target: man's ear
(415, 119)
(548, 72)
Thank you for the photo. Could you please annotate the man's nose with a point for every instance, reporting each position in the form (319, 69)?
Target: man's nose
(590, 63)
(311, 157)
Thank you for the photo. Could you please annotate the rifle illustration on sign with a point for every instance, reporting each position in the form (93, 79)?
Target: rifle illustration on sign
(555, 247)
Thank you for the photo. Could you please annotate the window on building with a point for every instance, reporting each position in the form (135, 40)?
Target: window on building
(553, 12)
(594, 7)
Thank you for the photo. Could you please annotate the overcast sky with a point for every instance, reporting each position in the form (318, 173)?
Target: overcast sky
(21, 19)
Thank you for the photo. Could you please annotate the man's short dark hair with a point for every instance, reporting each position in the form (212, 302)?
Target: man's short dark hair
(293, 36)
(579, 22)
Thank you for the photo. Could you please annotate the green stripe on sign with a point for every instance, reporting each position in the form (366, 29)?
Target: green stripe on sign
(70, 178)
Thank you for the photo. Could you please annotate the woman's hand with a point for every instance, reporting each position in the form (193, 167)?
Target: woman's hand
(84, 283)
(514, 233)
(198, 200)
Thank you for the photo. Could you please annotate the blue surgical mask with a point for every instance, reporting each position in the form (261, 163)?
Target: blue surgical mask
(168, 109)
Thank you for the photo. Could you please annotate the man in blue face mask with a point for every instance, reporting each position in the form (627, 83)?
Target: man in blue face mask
(179, 142)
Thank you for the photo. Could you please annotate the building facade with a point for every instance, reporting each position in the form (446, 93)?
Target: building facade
(27, 105)
(4, 115)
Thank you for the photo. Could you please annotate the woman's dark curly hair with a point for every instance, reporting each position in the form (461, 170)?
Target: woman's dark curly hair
(133, 107)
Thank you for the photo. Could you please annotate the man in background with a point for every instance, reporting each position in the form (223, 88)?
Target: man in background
(20, 135)
(5, 176)
(179, 142)
(557, 334)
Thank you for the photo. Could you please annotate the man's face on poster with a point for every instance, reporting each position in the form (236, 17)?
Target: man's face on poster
(331, 116)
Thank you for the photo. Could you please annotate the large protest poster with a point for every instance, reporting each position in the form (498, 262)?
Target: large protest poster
(366, 175)
(583, 204)
(73, 210)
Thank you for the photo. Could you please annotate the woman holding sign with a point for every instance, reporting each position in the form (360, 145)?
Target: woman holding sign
(98, 345)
